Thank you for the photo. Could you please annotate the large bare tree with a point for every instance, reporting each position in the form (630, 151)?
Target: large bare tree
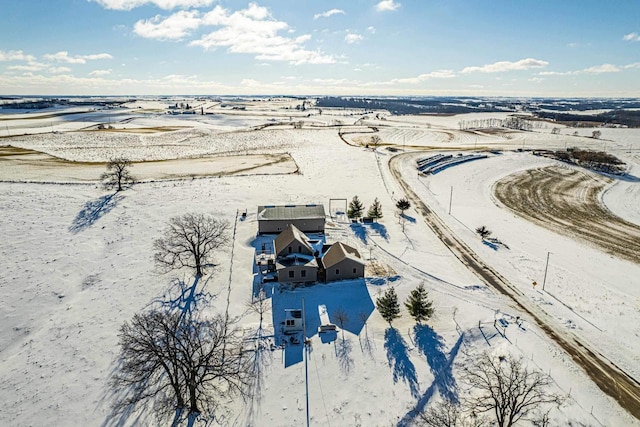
(117, 175)
(180, 366)
(190, 241)
(507, 388)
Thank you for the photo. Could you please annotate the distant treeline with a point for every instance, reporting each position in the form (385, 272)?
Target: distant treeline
(628, 118)
(512, 122)
(414, 106)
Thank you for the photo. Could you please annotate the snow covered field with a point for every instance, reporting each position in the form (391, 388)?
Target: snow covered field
(77, 263)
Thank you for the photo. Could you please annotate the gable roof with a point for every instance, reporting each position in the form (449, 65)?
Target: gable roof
(339, 252)
(274, 213)
(289, 235)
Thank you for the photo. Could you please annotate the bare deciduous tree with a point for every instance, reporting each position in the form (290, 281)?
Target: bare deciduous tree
(189, 241)
(506, 388)
(448, 414)
(260, 305)
(183, 366)
(341, 317)
(117, 175)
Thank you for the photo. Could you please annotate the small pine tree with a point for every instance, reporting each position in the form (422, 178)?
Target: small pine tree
(355, 208)
(375, 210)
(483, 231)
(419, 305)
(403, 205)
(388, 305)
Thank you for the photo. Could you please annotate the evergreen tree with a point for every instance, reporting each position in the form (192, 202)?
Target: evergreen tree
(375, 210)
(419, 305)
(388, 305)
(355, 208)
(403, 205)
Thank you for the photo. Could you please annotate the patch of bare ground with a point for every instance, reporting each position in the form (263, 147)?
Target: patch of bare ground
(610, 378)
(375, 268)
(567, 201)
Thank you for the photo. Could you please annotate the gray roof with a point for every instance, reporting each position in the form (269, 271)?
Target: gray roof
(289, 235)
(339, 252)
(290, 212)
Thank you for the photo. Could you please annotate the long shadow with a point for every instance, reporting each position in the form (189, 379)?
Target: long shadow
(408, 218)
(398, 358)
(183, 297)
(431, 345)
(381, 230)
(93, 210)
(351, 296)
(360, 231)
(343, 352)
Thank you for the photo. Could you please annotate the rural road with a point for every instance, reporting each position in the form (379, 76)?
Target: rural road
(610, 378)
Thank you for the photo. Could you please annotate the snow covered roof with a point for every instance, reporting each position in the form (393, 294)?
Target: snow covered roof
(289, 235)
(296, 260)
(281, 212)
(339, 252)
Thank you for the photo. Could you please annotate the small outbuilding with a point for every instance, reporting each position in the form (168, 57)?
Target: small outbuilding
(275, 219)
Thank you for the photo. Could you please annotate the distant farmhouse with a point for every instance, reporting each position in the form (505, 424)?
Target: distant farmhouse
(306, 218)
(298, 259)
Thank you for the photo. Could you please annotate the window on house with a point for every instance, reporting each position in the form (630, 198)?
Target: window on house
(303, 273)
(290, 249)
(291, 274)
(337, 271)
(354, 271)
(290, 322)
(299, 249)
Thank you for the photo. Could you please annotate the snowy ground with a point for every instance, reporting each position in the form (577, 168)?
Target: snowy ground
(76, 263)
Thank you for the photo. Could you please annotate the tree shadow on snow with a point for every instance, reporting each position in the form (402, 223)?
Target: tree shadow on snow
(411, 219)
(183, 297)
(93, 210)
(398, 358)
(430, 344)
(343, 353)
(360, 231)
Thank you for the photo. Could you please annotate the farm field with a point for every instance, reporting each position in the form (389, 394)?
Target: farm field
(77, 260)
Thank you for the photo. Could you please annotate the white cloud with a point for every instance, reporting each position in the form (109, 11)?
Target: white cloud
(632, 37)
(353, 38)
(59, 70)
(175, 27)
(63, 56)
(501, 66)
(96, 73)
(254, 31)
(439, 74)
(15, 55)
(556, 73)
(604, 68)
(162, 4)
(387, 5)
(634, 65)
(371, 29)
(329, 13)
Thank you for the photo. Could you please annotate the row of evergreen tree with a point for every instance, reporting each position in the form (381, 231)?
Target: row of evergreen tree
(418, 304)
(356, 208)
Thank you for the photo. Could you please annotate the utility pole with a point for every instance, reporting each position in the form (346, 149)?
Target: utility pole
(306, 359)
(450, 198)
(545, 271)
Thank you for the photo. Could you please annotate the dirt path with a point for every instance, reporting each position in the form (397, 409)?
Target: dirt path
(566, 201)
(606, 375)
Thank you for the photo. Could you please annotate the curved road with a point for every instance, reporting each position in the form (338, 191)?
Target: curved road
(610, 378)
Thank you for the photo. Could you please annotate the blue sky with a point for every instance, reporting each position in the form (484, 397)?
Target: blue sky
(582, 48)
